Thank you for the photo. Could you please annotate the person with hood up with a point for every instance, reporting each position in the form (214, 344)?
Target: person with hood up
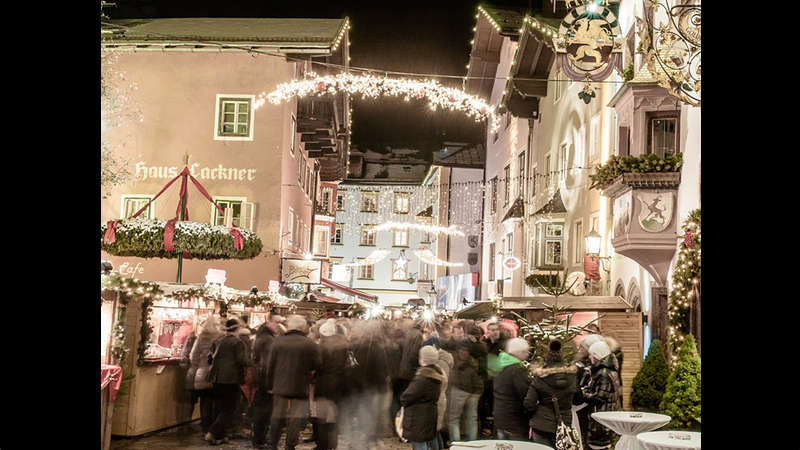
(466, 387)
(420, 401)
(445, 362)
(292, 360)
(510, 388)
(328, 383)
(554, 378)
(604, 393)
(228, 358)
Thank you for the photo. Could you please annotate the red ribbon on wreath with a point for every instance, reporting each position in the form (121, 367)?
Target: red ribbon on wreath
(169, 230)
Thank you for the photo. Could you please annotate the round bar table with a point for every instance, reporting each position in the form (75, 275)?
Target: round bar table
(669, 440)
(628, 424)
(498, 444)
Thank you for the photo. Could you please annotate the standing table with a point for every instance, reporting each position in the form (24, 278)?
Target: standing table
(498, 444)
(628, 424)
(669, 440)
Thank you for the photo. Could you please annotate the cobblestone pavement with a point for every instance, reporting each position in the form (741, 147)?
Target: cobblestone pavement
(189, 437)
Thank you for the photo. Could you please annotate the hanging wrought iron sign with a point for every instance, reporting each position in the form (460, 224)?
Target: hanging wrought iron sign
(672, 49)
(589, 44)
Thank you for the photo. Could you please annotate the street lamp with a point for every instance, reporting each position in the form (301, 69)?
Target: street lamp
(593, 241)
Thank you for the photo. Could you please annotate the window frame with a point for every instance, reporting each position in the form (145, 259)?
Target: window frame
(406, 200)
(338, 233)
(221, 99)
(366, 195)
(395, 269)
(650, 118)
(146, 214)
(367, 231)
(363, 269)
(395, 235)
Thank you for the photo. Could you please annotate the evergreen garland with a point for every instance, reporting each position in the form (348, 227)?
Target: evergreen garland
(144, 238)
(684, 278)
(681, 399)
(606, 174)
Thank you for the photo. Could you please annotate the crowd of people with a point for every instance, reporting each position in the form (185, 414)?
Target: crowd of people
(428, 383)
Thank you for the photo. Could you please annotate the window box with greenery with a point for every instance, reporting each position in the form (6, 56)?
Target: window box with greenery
(637, 171)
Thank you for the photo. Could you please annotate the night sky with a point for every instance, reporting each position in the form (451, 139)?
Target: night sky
(425, 38)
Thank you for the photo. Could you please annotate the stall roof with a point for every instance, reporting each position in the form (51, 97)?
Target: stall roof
(348, 290)
(574, 303)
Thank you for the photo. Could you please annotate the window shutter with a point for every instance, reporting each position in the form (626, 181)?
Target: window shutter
(623, 141)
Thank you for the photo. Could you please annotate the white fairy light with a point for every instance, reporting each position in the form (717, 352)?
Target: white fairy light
(427, 256)
(373, 86)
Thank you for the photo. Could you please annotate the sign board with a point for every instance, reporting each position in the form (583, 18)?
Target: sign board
(512, 263)
(300, 271)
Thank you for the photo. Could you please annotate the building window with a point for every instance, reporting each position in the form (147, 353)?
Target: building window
(367, 236)
(510, 241)
(340, 201)
(291, 226)
(579, 243)
(553, 233)
(491, 261)
(594, 138)
(662, 134)
(321, 239)
(521, 170)
(493, 200)
(234, 117)
(399, 273)
(293, 135)
(132, 204)
(337, 238)
(326, 199)
(366, 272)
(507, 175)
(402, 202)
(562, 162)
(369, 201)
(547, 171)
(238, 212)
(400, 238)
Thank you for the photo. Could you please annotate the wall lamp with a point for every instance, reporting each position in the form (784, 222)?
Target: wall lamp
(593, 242)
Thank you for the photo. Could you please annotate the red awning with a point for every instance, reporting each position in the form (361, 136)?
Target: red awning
(348, 290)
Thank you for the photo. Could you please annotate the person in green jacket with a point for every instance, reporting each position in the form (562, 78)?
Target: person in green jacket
(510, 387)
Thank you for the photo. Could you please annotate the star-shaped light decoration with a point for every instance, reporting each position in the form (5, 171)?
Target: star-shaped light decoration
(401, 261)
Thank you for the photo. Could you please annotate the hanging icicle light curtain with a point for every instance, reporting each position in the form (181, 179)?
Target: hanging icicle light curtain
(372, 86)
(427, 256)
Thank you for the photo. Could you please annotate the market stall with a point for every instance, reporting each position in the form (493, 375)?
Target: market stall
(612, 314)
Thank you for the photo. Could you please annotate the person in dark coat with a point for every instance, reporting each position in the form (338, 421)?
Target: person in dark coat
(510, 388)
(369, 382)
(412, 342)
(227, 357)
(494, 341)
(197, 374)
(262, 399)
(420, 399)
(466, 387)
(292, 360)
(553, 378)
(604, 393)
(328, 383)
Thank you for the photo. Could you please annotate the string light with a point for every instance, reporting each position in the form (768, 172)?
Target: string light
(427, 256)
(452, 230)
(373, 86)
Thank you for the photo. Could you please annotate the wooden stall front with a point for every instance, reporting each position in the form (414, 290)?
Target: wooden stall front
(616, 316)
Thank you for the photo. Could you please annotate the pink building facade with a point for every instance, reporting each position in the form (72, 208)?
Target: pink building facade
(198, 83)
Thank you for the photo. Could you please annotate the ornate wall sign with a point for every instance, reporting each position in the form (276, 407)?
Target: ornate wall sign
(656, 212)
(589, 44)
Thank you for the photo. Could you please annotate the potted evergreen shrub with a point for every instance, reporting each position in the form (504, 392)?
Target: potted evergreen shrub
(681, 399)
(650, 383)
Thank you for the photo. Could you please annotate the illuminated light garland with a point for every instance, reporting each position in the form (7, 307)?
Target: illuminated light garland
(427, 256)
(372, 86)
(684, 279)
(374, 257)
(432, 229)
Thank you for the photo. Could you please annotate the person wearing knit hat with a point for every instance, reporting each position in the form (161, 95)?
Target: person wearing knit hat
(328, 328)
(420, 401)
(589, 340)
(603, 393)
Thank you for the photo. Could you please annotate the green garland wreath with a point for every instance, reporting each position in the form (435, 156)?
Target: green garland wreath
(144, 238)
(685, 277)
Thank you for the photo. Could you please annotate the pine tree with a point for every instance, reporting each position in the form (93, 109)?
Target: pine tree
(650, 383)
(681, 400)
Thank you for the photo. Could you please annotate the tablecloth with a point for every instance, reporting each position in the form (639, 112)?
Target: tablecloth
(630, 423)
(669, 440)
(110, 376)
(497, 444)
